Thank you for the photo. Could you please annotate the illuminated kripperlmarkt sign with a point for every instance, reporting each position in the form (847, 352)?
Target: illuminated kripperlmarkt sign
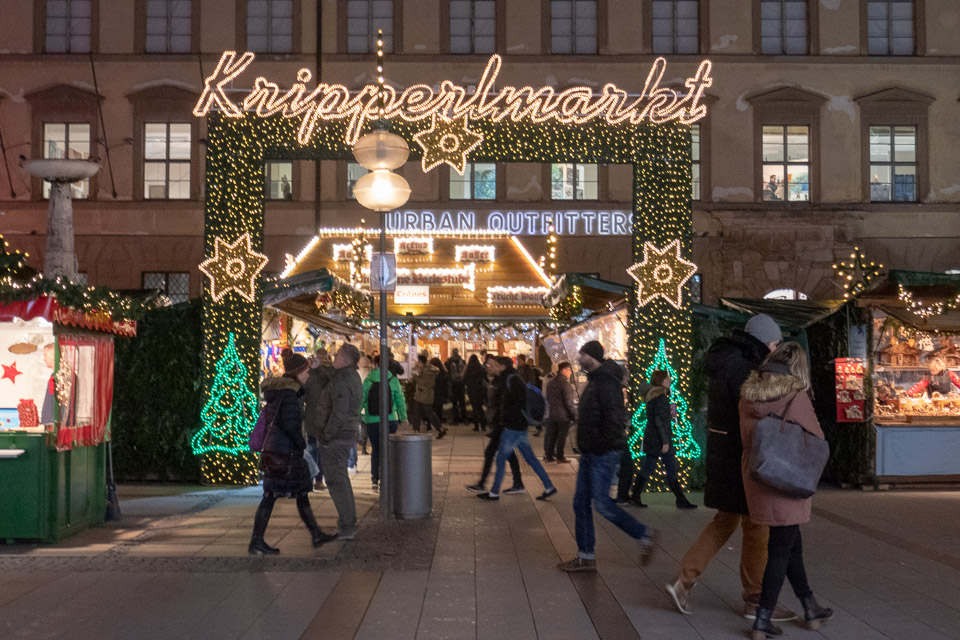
(576, 105)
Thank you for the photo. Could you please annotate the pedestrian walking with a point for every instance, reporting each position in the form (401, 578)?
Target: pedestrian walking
(321, 370)
(658, 441)
(495, 433)
(425, 379)
(601, 425)
(339, 410)
(512, 394)
(780, 388)
(728, 363)
(456, 367)
(396, 413)
(475, 382)
(285, 471)
(561, 411)
(441, 388)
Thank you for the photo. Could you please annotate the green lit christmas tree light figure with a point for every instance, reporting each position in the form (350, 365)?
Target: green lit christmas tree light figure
(231, 412)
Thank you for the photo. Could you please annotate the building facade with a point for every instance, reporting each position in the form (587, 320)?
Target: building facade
(831, 123)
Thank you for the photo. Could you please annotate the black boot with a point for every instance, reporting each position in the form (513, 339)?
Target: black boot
(306, 514)
(260, 520)
(638, 486)
(682, 502)
(813, 613)
(762, 627)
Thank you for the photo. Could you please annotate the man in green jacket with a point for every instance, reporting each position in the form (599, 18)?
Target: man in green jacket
(397, 412)
(338, 418)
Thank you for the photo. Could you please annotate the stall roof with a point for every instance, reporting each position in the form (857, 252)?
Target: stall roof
(925, 286)
(296, 295)
(595, 294)
(798, 314)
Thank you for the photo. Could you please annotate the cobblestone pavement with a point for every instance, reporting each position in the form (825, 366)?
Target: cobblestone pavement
(176, 566)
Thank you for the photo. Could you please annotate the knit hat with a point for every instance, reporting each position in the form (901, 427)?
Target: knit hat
(593, 349)
(294, 363)
(763, 328)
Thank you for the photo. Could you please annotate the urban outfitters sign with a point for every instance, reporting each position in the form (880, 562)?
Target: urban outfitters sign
(521, 223)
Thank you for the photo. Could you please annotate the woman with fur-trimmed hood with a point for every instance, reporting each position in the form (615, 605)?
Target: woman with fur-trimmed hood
(780, 388)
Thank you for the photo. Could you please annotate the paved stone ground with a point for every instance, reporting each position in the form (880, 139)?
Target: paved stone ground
(177, 567)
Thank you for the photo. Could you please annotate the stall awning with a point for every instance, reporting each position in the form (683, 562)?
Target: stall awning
(921, 286)
(49, 309)
(595, 294)
(798, 314)
(296, 296)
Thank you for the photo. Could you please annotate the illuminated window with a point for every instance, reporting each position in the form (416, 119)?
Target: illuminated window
(270, 26)
(168, 26)
(473, 26)
(696, 289)
(783, 26)
(175, 285)
(70, 140)
(893, 164)
(279, 180)
(364, 18)
(676, 26)
(574, 181)
(785, 294)
(478, 182)
(573, 26)
(786, 163)
(354, 173)
(166, 161)
(695, 160)
(68, 26)
(890, 27)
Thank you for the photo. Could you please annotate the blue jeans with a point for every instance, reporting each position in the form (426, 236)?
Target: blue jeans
(352, 459)
(594, 477)
(373, 434)
(509, 441)
(314, 450)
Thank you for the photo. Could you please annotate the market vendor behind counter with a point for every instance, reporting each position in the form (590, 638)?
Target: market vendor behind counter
(916, 383)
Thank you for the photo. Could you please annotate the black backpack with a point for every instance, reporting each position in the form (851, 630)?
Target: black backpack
(373, 398)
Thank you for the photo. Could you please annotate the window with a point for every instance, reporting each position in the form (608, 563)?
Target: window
(786, 163)
(175, 285)
(783, 27)
(478, 182)
(166, 161)
(473, 26)
(573, 26)
(890, 27)
(785, 294)
(354, 173)
(82, 279)
(168, 25)
(71, 141)
(279, 180)
(364, 18)
(695, 160)
(675, 26)
(696, 289)
(574, 181)
(893, 164)
(270, 26)
(69, 24)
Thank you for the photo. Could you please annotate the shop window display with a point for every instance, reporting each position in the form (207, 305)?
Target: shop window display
(917, 376)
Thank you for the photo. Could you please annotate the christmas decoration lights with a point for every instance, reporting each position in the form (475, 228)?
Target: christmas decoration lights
(475, 253)
(550, 260)
(447, 142)
(516, 296)
(663, 273)
(233, 267)
(856, 275)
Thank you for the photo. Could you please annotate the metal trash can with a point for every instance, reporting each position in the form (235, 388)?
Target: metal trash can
(411, 475)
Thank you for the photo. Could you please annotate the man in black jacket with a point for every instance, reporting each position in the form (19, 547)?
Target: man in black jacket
(601, 438)
(728, 363)
(495, 431)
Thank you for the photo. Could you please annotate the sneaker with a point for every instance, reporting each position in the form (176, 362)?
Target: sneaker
(488, 496)
(648, 544)
(319, 486)
(780, 613)
(578, 564)
(346, 537)
(680, 595)
(514, 491)
(546, 494)
(476, 488)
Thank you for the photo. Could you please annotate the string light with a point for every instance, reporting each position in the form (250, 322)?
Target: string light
(516, 296)
(233, 267)
(856, 275)
(447, 142)
(662, 273)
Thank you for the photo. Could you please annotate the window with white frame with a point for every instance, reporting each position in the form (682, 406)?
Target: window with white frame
(279, 180)
(783, 27)
(893, 164)
(574, 181)
(786, 163)
(676, 26)
(573, 26)
(364, 19)
(175, 285)
(69, 24)
(166, 161)
(270, 26)
(168, 26)
(890, 25)
(67, 140)
(354, 172)
(695, 160)
(473, 26)
(478, 182)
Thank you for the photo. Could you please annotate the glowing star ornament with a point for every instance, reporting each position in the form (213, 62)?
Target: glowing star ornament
(447, 141)
(662, 273)
(233, 267)
(10, 373)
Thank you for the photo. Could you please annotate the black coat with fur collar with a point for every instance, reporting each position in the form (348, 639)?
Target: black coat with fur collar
(285, 437)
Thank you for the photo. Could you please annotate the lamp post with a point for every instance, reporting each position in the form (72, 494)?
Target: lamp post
(382, 190)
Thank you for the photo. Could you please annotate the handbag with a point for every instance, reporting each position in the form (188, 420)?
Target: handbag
(786, 456)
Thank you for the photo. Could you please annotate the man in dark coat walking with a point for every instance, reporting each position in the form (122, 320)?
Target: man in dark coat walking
(728, 363)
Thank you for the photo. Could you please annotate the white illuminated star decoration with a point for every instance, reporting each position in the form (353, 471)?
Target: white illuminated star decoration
(447, 141)
(662, 273)
(233, 267)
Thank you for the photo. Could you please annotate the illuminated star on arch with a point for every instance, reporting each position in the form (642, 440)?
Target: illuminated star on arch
(662, 273)
(10, 372)
(447, 141)
(233, 267)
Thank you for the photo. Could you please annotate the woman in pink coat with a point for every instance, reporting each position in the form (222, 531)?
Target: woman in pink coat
(780, 388)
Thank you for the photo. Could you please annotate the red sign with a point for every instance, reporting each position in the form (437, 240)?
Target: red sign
(849, 388)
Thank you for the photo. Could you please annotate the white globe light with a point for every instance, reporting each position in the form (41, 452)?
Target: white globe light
(381, 190)
(381, 150)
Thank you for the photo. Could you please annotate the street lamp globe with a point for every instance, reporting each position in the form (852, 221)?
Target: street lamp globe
(381, 150)
(382, 190)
